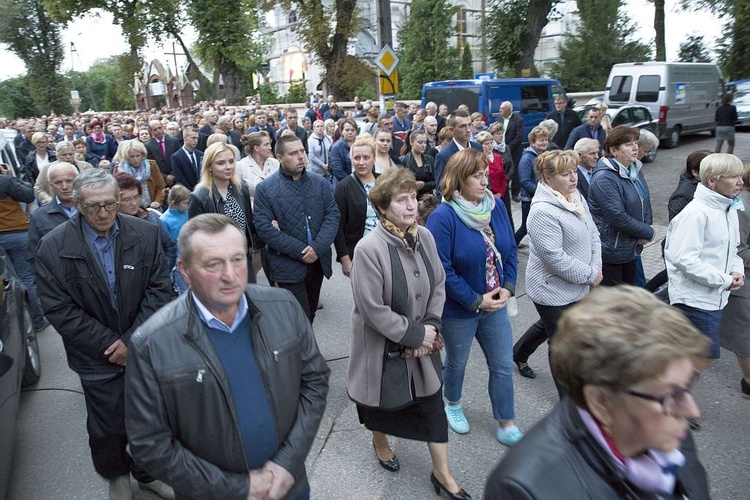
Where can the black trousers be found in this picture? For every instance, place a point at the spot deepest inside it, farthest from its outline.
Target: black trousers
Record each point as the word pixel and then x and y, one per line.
pixel 549 316
pixel 534 336
pixel 307 292
pixel 506 202
pixel 618 274
pixel 105 422
pixel 521 232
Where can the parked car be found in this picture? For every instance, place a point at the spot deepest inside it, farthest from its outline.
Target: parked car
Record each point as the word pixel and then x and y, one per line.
pixel 683 96
pixel 741 91
pixel 631 115
pixel 19 359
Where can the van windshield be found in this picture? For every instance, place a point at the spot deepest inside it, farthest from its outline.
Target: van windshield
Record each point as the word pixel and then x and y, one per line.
pixel 620 90
pixel 454 97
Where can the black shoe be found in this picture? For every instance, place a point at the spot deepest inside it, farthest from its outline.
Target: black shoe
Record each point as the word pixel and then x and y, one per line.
pixel 526 371
pixel 517 199
pixel 391 465
pixel 694 424
pixel 745 387
pixel 461 495
pixel 41 326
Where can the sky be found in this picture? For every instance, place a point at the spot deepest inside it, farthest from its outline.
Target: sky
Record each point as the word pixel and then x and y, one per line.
pixel 97 38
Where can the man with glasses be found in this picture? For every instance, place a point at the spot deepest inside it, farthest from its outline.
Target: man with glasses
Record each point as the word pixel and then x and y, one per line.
pixel 100 275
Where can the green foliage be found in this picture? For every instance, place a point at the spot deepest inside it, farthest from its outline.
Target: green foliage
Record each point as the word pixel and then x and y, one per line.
pixel 227 41
pixel 15 100
pixel 694 49
pixel 269 93
pixel 325 31
pixel 424 52
pixel 350 74
pixel 297 92
pixel 106 86
pixel 466 64
pixel 734 45
pixel 367 91
pixel 28 31
pixel 512 29
pixel 603 38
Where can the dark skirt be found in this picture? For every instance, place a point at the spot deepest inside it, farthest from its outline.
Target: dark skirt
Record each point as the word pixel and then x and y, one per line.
pixel 423 420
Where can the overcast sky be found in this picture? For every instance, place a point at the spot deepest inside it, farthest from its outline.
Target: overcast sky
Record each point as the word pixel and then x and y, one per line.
pixel 96 37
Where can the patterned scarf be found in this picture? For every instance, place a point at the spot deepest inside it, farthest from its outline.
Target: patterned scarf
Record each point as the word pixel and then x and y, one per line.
pixel 409 237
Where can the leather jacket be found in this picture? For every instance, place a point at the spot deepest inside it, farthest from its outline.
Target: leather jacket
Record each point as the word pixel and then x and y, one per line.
pixel 181 422
pixel 560 459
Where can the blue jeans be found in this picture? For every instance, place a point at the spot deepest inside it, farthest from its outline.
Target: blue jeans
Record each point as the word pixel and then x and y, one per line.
pixel 14 243
pixel 495 337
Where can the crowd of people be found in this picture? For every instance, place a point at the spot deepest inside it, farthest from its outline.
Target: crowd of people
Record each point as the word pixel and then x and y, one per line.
pixel 137 236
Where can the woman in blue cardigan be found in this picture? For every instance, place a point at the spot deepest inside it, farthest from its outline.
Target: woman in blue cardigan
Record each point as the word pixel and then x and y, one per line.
pixel 475 242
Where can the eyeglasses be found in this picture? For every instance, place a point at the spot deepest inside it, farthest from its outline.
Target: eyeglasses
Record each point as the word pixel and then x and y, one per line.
pixel 674 403
pixel 130 199
pixel 94 208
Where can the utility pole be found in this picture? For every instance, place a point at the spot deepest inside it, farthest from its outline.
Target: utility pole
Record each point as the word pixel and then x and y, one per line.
pixel 384 23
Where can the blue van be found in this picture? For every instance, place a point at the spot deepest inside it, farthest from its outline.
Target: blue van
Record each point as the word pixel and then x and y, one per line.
pixel 532 98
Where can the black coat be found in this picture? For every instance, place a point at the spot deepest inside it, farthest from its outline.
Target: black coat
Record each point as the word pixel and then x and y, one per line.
pixel 43 220
pixel 171 146
pixel 183 170
pixel 75 296
pixel 351 200
pixel 569 121
pixel 583 185
pixel 515 137
pixel 30 167
pixel 425 173
pixel 559 459
pixel 203 202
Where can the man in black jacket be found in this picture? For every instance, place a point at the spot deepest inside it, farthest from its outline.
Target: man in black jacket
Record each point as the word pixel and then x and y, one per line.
pixel 514 139
pixel 160 148
pixel 226 386
pixel 566 119
pixel 100 275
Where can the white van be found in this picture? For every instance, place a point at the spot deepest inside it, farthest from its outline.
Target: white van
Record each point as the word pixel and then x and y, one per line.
pixel 684 96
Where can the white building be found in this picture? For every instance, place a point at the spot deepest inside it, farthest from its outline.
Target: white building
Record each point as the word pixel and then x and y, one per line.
pixel 288 60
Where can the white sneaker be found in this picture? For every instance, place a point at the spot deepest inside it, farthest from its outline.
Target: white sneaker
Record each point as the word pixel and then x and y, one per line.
pixel 120 489
pixel 159 487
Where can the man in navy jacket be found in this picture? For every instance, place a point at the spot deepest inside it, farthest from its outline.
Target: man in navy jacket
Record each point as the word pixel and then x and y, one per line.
pixel 187 161
pixel 591 129
pixel 460 122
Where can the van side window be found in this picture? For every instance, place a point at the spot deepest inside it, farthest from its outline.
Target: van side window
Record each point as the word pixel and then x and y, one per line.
pixel 648 88
pixel 620 90
pixel 534 99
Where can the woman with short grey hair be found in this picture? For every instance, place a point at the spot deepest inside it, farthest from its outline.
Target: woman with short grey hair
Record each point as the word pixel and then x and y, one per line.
pixel 551 126
pixel 624 361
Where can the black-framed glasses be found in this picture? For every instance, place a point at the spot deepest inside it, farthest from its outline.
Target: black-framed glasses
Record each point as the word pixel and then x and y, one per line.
pixel 94 208
pixel 674 403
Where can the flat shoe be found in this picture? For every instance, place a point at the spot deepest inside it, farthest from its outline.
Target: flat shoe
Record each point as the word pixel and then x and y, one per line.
pixel 526 371
pixel 745 387
pixel 391 465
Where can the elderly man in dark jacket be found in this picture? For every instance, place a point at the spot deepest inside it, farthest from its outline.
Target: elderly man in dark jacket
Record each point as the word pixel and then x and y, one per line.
pixel 296 215
pixel 100 276
pixel 226 386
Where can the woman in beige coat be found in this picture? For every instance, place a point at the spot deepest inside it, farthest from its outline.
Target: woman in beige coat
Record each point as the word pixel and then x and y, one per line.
pixel 394 360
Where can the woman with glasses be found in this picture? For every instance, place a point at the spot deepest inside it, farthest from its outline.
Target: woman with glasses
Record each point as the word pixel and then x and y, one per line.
pixel 624 361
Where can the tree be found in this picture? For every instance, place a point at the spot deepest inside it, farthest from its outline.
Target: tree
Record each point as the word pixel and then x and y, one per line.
pixel 325 31
pixel 734 45
pixel 694 50
pixel 297 92
pixel 101 85
pixel 659 28
pixel 227 41
pixel 424 52
pixel 603 38
pixel 513 29
pixel 15 100
pixel 269 93
pixel 467 63
pixel 29 32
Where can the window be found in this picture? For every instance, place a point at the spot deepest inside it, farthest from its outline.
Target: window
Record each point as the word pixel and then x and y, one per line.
pixel 534 99
pixel 622 118
pixel 648 88
pixel 454 96
pixel 640 116
pixel 620 90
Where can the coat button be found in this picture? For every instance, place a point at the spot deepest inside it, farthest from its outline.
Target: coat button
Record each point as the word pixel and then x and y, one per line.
pixel 416 274
pixel 419 296
pixel 417 318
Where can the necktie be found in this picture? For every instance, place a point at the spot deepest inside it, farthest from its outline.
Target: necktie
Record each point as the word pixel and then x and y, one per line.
pixel 163 151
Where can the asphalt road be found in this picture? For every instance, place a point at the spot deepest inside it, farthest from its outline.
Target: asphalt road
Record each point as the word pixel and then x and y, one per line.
pixel 52 461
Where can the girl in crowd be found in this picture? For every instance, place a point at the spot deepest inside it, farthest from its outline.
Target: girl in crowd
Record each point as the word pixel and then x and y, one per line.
pixel 383 160
pixel 259 164
pixel 420 164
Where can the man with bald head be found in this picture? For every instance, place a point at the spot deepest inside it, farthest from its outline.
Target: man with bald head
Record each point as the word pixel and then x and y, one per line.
pixel 514 137
pixel 432 110
pixel 61 207
pixel 225 124
pixel 430 130
pixel 160 148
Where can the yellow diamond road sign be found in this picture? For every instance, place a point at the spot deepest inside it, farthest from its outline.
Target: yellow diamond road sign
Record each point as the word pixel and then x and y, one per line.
pixel 387 60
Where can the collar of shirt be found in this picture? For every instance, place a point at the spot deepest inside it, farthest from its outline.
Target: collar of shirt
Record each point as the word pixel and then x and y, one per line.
pixel 460 147
pixel 213 322
pixel 586 172
pixel 69 212
pixel 92 235
pixel 188 151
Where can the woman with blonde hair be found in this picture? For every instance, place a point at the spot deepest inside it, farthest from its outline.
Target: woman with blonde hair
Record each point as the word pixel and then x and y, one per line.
pixel 222 191
pixel 383 160
pixel 131 158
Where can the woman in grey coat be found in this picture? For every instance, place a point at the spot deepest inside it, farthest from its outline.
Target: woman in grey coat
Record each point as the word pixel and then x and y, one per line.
pixel 565 255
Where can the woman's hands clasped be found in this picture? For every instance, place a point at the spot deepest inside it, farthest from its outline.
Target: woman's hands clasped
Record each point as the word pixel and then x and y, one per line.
pixel 494 300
